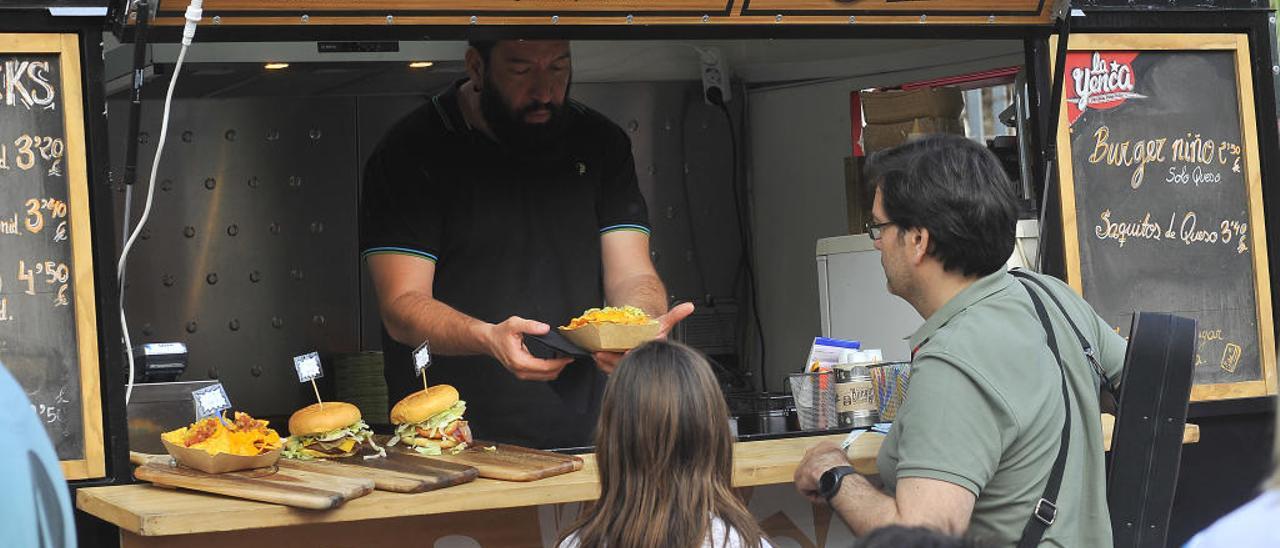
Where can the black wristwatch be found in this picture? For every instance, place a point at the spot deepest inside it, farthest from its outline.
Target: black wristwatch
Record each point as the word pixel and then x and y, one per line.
pixel 829 483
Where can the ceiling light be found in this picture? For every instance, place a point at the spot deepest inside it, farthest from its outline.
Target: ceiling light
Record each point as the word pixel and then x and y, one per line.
pixel 276 66
pixel 420 64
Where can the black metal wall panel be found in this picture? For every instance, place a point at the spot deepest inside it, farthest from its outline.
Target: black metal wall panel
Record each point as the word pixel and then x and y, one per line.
pixel 249 256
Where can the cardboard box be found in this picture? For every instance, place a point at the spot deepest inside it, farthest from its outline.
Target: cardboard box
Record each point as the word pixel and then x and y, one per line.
pixel 221 462
pixel 611 337
pixel 858 194
pixel 887 107
pixel 877 137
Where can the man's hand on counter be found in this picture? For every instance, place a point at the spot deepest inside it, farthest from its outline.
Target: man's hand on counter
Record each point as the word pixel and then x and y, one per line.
pixel 817 460
pixel 505 342
pixel 608 361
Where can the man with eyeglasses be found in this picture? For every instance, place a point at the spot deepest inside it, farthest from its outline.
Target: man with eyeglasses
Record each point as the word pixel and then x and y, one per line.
pixel 975 443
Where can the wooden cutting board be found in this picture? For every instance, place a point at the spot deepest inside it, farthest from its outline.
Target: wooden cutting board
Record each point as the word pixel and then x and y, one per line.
pixel 290 487
pixel 397 472
pixel 508 462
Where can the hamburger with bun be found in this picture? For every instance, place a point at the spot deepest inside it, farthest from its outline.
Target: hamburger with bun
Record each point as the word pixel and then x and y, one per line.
pixel 431 421
pixel 327 430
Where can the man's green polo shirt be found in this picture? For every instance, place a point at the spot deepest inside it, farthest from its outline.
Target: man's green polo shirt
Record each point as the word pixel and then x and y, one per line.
pixel 984 410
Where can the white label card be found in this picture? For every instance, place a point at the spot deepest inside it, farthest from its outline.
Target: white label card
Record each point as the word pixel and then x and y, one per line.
pixel 421 358
pixel 308 367
pixel 210 401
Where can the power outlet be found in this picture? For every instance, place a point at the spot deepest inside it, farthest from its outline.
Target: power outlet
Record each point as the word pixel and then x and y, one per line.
pixel 715 75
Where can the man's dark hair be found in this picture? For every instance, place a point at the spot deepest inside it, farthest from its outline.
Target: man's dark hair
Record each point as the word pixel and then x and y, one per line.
pixel 957 190
pixel 484 48
pixel 898 536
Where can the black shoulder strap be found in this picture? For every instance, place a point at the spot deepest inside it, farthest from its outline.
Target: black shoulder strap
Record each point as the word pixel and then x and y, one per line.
pixel 1046 509
pixel 1089 353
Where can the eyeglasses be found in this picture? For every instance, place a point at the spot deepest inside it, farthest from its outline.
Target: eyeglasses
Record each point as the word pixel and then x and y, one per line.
pixel 876 229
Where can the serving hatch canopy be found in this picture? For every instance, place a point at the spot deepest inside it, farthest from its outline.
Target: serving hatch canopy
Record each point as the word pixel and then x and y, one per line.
pixel 611 12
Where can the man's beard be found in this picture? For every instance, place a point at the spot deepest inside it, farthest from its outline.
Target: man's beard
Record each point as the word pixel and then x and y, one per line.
pixel 509 127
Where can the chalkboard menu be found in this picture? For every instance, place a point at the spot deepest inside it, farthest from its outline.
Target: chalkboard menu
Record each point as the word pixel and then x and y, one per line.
pixel 1161 196
pixel 48 335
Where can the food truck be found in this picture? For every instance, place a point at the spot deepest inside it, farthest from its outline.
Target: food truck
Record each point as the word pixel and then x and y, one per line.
pixel 235 196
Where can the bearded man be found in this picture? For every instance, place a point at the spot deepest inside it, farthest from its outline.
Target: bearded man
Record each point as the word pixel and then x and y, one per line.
pixel 497 209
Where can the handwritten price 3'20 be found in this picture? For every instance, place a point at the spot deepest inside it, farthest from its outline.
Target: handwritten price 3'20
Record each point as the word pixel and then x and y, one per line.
pixel 26 149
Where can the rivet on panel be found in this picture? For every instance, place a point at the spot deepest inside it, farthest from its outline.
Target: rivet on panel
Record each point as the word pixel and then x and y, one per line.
pixel 315 134
pixel 296 274
pixel 652 169
pixel 318 319
pixel 555 19
pixel 1275 69
pixel 230 135
pixel 991 18
pixel 166 185
pixel 474 19
pixel 706 18
pixel 924 18
pixel 853 19
pixel 274 228
pixel 217 19
pixel 187 136
pixel 256 371
pixel 273 134
pixel 210 183
pixel 211 278
pixel 255 276
pixel 391 20
pixel 317 227
pixel 191 326
pixel 295 181
pixel 276 322
pixel 306 18
pixel 777 18
pixel 671 212
pixel 189 231
pixel 630 19
pixel 666 124
pixel 233 229
pixel 254 182
pixel 144 137
pixel 234 325
pixel 168 280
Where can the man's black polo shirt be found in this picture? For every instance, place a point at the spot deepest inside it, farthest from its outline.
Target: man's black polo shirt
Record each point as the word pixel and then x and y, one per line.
pixel 510 234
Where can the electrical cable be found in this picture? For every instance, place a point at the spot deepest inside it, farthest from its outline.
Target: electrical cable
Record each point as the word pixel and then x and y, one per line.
pixel 744 228
pixel 193 15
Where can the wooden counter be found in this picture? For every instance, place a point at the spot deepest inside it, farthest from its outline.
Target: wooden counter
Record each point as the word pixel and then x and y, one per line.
pixel 150 516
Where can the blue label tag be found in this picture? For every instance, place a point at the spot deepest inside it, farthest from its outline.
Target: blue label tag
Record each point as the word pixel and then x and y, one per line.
pixel 308 367
pixel 210 401
pixel 421 358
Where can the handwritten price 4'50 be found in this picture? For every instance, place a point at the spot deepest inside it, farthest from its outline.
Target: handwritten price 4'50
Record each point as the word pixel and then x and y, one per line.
pixel 54 273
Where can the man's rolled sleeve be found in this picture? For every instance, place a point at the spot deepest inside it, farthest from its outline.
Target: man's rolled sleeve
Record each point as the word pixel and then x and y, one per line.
pixel 619 204
pixel 953 426
pixel 400 211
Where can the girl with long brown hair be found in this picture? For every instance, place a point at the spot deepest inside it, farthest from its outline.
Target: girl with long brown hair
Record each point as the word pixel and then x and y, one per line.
pixel 665 459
